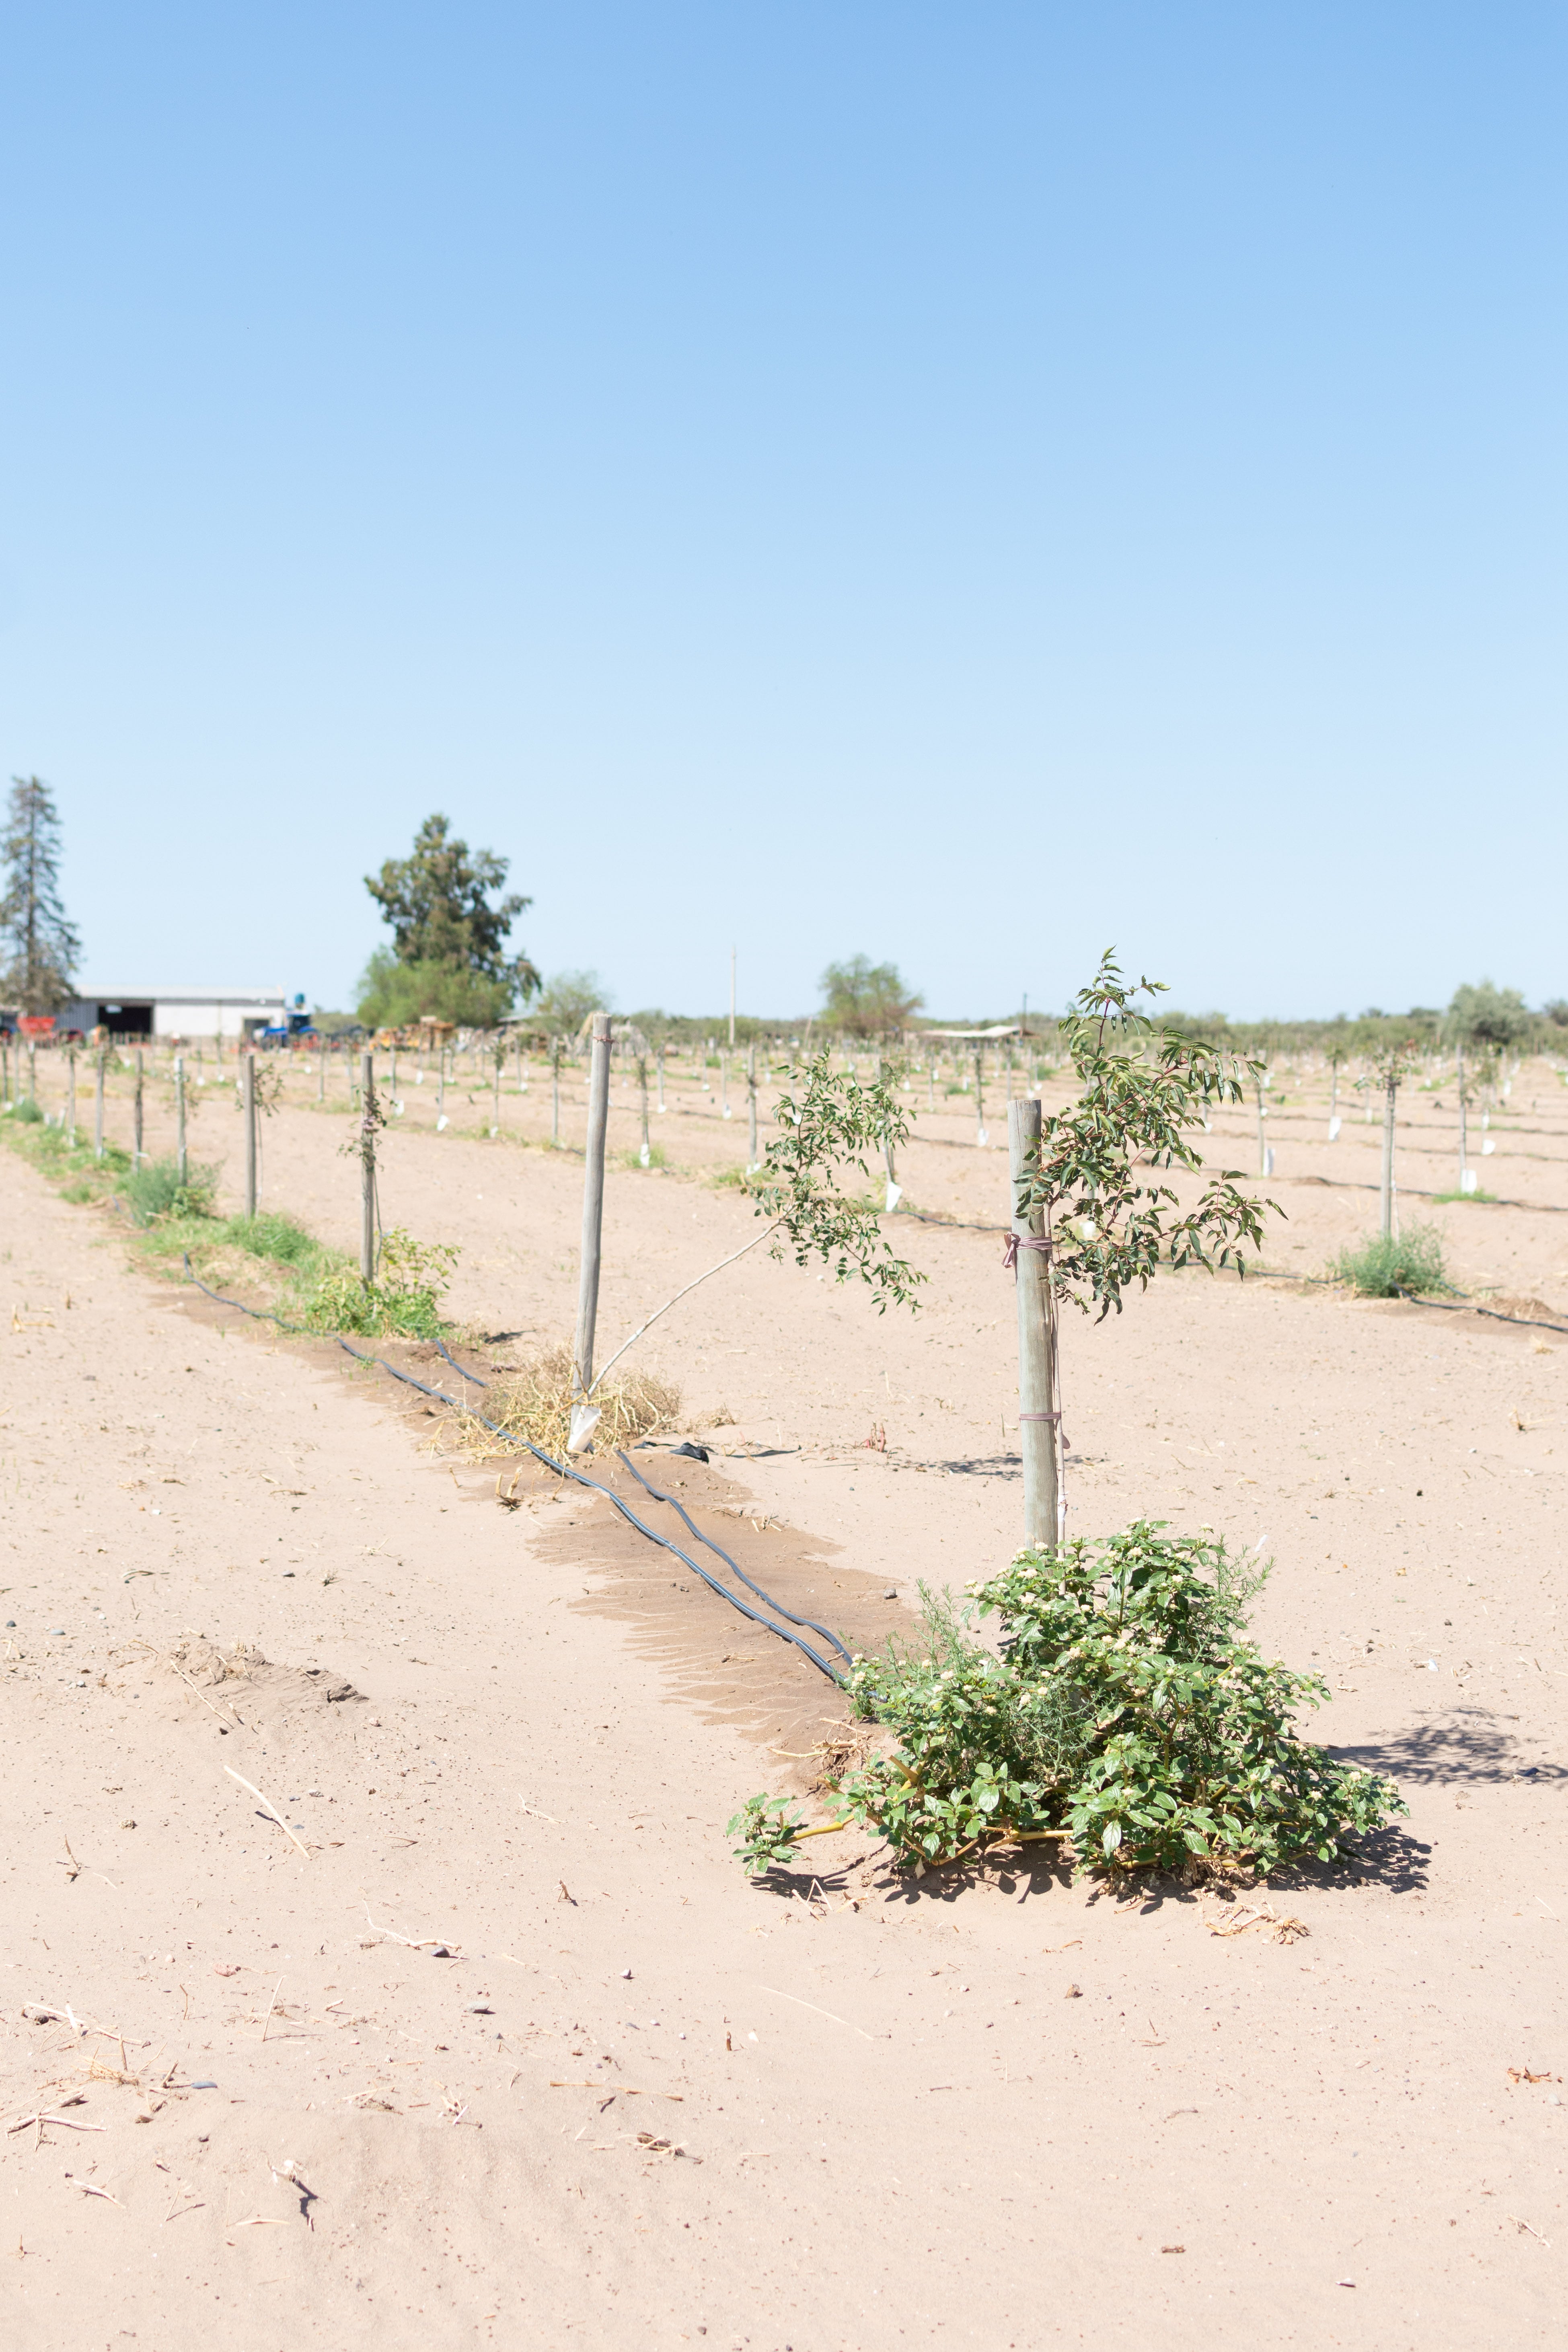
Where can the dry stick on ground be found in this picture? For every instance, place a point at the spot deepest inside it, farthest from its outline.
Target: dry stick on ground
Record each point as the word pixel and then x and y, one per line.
pixel 414 1943
pixel 271 2006
pixel 680 1294
pixel 269 1806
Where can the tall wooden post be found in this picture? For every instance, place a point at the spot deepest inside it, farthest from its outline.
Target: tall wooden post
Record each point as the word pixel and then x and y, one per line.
pixel 247 1121
pixel 731 999
pixel 1037 1425
pixel 499 1058
pixel 556 1091
pixel 98 1105
pixel 1390 1090
pixel 1464 1139
pixel 980 1094
pixel 1262 1115
pixel 136 1114
pixel 660 1059
pixel 646 1154
pixel 583 1415
pixel 367 1167
pixel 753 1155
pixel 180 1115
pixel 70 1096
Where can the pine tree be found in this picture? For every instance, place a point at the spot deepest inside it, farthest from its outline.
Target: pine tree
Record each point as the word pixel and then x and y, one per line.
pixel 43 948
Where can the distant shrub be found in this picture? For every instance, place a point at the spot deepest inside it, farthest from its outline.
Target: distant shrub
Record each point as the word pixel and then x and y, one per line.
pixel 1386 1264
pixel 27 1111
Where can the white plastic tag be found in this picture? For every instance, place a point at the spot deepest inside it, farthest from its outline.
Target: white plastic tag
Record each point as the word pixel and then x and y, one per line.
pixel 982 1140
pixel 1490 1145
pixel 441 1122
pixel 894 1194
pixel 584 1421
pixel 643 1156
pixel 1269 1160
pixel 1468 1180
pixel 728 1112
pixel 1334 1126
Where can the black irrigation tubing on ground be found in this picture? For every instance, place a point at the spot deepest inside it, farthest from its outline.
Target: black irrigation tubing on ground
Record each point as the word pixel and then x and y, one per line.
pixel 562 1470
pixel 826 1632
pixel 717 1549
pixel 1467 1306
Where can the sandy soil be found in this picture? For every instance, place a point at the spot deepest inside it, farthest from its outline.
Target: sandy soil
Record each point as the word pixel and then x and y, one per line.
pixel 988 2108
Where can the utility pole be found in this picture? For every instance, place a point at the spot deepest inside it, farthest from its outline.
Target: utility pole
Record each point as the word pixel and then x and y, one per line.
pixel 732 996
pixel 248 1119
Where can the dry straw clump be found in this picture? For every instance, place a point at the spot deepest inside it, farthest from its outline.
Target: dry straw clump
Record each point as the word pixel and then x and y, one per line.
pixel 532 1405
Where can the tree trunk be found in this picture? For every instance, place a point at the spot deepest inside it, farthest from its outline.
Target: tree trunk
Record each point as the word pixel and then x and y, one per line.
pixel 180 1160
pixel 1037 1423
pixel 367 1167
pixel 1389 1091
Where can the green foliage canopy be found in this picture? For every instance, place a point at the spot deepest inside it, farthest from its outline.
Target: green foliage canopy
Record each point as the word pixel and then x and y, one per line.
pixel 832 1120
pixel 437 902
pixel 394 995
pixel 1483 1015
pixel 1140 1089
pixel 863 999
pixel 42 949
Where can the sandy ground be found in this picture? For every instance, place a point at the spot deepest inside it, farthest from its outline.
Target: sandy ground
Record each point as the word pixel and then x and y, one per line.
pixel 988 2108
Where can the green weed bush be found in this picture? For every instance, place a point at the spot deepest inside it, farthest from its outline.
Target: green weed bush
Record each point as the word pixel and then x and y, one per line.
pixel 1383 1264
pixel 1127 1714
pixel 155 1192
pixel 27 1112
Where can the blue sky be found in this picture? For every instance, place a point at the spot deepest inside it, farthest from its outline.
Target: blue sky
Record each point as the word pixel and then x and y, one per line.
pixel 966 484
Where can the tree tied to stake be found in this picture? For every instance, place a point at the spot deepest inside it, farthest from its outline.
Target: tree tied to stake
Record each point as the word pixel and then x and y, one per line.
pixel 1139 1087
pixel 832 1122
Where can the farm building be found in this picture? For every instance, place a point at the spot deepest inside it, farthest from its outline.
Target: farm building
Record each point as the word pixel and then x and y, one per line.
pixel 175 1011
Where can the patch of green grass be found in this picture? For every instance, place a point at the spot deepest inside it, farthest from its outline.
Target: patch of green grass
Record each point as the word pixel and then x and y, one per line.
pixel 1385 1264
pixel 1476 1195
pixel 156 1190
pixel 27 1112
pixel 633 1159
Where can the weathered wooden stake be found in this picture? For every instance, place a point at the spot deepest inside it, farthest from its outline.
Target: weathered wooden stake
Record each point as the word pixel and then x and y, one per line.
pixel 646 1155
pixel 180 1115
pixel 1390 1090
pixel 70 1096
pixel 584 1417
pixel 1037 1423
pixel 731 999
pixel 660 1061
pixel 136 1115
pixel 1464 1139
pixel 980 1094
pixel 367 1167
pixel 98 1106
pixel 247 1122
pixel 556 1091
pixel 321 1075
pixel 753 1155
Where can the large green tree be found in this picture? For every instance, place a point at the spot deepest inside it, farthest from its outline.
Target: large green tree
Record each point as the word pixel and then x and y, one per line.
pixel 866 999
pixel 437 901
pixel 42 949
pixel 1484 1014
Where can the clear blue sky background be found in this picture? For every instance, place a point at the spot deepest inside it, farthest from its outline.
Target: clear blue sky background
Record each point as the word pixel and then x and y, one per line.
pixel 966 482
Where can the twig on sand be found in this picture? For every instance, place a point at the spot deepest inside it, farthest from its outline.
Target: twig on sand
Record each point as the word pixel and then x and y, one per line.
pixel 271 2006
pixel 88 2190
pixel 819 2013
pixel 266 1803
pixel 412 1943
pixel 65 2121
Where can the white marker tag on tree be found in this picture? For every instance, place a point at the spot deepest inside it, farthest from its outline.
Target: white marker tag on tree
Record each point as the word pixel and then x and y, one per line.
pixel 584 1421
pixel 1334 1126
pixel 419 1078
pixel 441 1122
pixel 1468 1180
pixel 643 1156
pixel 894 1194
pixel 1490 1145
pixel 1269 1160
pixel 982 1140
pixel 728 1112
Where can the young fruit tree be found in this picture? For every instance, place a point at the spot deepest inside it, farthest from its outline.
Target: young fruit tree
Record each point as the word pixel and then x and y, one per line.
pixel 1122 1712
pixel 1091 1212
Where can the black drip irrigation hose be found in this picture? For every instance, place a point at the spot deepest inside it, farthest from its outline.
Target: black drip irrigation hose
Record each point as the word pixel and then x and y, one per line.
pixel 1468 1307
pixel 565 1470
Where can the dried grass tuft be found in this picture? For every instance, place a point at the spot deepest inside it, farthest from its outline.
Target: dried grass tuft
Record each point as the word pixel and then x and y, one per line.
pixel 534 1403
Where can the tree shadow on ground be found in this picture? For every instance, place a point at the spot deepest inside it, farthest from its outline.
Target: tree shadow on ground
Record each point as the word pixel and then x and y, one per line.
pixel 1472 1745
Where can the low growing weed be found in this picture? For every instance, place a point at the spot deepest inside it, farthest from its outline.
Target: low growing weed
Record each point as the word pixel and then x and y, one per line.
pixel 1383 1264
pixel 1127 1714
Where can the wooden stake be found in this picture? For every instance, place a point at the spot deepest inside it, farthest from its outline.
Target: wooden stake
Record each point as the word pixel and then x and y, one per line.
pixel 1459 1079
pixel 593 1207
pixel 136 1115
pixel 247 1121
pixel 731 999
pixel 180 1115
pixel 70 1096
pixel 98 1105
pixel 660 1058
pixel 556 1090
pixel 753 1155
pixel 1036 1340
pixel 367 1167
pixel 1390 1089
